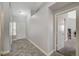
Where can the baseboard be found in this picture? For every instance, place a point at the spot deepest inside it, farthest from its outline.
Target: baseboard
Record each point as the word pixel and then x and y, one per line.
pixel 38 47
pixel 47 54
pixel 50 53
pixel 19 38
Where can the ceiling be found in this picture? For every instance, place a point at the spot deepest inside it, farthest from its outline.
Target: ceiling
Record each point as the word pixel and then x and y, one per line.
pixel 72 14
pixel 32 6
pixel 59 5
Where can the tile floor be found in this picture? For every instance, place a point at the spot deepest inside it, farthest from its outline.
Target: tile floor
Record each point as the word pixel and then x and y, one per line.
pixel 23 47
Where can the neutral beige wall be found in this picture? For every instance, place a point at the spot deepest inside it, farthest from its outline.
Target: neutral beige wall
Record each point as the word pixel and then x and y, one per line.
pixel 0 27
pixel 77 28
pixel 5 34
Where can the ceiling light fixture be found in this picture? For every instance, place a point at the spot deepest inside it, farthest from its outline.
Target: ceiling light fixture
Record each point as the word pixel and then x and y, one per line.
pixel 22 13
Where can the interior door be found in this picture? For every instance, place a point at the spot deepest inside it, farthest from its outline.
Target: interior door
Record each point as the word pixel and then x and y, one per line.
pixel 60 31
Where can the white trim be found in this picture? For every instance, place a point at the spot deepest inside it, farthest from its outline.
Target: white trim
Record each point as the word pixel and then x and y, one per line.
pixel 19 38
pixel 51 52
pixel 47 54
pixel 37 46
pixel 66 10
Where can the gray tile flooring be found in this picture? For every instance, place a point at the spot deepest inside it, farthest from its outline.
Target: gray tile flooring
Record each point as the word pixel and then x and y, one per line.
pixel 23 47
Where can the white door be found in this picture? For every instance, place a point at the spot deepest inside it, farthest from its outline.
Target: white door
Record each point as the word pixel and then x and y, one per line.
pixel 60 31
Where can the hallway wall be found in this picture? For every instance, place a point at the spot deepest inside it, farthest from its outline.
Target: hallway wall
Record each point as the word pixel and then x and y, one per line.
pixel 0 26
pixel 71 22
pixel 77 27
pixel 41 29
pixel 5 34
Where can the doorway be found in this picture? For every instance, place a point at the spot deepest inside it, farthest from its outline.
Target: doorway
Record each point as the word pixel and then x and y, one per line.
pixel 66 33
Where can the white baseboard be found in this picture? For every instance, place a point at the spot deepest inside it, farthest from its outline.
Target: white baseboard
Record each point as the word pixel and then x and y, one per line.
pixel 19 38
pixel 38 47
pixel 47 54
pixel 50 53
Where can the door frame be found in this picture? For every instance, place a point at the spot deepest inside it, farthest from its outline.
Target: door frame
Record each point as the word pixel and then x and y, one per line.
pixel 57 30
pixel 55 18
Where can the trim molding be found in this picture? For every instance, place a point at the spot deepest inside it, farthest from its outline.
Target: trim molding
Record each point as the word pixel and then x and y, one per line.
pixel 37 46
pixel 47 54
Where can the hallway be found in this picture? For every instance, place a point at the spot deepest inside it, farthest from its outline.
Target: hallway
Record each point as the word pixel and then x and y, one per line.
pixel 25 23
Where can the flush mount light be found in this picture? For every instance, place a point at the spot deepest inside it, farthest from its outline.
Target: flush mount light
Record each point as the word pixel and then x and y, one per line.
pixel 21 12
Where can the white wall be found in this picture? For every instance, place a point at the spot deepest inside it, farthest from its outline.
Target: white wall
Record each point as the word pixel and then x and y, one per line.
pixel 71 22
pixel 5 35
pixel 41 29
pixel 77 28
pixel 0 26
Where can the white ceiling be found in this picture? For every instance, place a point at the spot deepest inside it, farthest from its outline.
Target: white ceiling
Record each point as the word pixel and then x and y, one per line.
pixel 33 6
pixel 72 14
pixel 59 5
pixel 30 5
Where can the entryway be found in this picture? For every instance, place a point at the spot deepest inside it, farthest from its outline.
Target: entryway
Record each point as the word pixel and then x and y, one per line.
pixel 66 37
